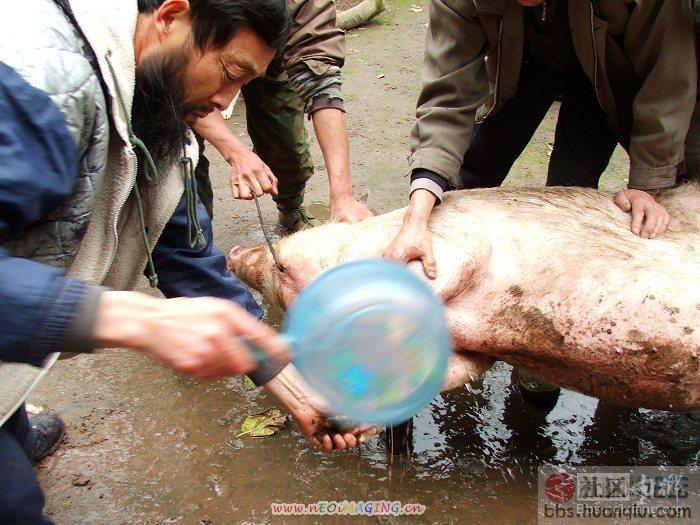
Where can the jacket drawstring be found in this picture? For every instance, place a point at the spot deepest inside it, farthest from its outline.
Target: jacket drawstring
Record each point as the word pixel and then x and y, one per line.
pixel 195 235
pixel 151 173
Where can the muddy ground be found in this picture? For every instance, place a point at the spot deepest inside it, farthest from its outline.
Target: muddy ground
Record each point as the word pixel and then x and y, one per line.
pixel 146 446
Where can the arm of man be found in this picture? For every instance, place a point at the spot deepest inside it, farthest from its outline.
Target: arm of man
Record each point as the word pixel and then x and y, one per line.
pixel 313 59
pixel 249 174
pixel 659 40
pixel 332 133
pixel 42 312
pixel 454 85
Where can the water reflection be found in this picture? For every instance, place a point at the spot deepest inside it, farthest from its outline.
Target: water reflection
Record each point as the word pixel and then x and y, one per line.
pixel 476 450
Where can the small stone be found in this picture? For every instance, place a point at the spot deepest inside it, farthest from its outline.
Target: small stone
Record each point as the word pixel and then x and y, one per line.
pixel 80 480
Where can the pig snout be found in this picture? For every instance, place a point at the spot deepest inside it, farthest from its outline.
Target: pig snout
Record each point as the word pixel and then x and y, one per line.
pixel 251 265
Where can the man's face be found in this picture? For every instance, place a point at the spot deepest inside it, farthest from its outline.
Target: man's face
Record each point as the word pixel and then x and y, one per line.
pixel 211 79
pixel 177 83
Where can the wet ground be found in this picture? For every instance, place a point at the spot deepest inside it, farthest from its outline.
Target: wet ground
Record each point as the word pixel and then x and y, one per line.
pixel 146 446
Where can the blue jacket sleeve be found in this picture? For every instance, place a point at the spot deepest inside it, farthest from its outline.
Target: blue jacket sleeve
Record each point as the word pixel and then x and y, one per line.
pixel 38 168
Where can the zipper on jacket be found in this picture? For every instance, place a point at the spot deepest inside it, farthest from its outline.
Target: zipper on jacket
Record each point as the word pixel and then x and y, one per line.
pixel 134 157
pixel 595 60
pixel 134 180
pixel 498 71
pixel 115 229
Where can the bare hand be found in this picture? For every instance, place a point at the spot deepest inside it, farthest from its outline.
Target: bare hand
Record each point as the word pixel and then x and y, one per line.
pixel 309 411
pixel 413 242
pixel 349 210
pixel 195 336
pixel 250 175
pixel 324 435
pixel 645 211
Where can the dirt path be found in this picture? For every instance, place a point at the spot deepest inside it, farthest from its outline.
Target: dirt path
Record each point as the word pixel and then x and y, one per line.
pixel 145 446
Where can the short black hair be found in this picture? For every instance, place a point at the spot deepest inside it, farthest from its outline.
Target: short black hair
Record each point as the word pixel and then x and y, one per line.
pixel 216 22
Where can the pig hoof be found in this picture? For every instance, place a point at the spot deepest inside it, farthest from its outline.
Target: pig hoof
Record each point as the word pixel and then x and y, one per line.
pixel 536 391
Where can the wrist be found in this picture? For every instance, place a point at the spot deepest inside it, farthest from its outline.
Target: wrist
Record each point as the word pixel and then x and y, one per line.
pixel 287 388
pixel 119 320
pixel 420 207
pixel 653 193
pixel 233 151
pixel 342 197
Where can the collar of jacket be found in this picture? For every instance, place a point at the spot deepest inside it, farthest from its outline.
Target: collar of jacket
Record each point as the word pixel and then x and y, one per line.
pixel 112 252
pixel 109 27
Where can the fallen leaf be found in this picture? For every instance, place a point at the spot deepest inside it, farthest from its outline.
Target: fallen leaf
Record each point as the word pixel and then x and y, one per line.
pixel 263 424
pixel 248 384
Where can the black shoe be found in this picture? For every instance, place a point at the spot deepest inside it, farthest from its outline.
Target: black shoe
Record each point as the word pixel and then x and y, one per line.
pixel 48 429
pixel 537 391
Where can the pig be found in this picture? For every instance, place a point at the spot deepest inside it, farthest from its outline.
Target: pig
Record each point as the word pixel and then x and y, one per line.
pixel 550 280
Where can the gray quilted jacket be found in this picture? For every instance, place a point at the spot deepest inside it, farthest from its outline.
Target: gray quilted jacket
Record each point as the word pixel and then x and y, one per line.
pixel 40 44
pixel 95 234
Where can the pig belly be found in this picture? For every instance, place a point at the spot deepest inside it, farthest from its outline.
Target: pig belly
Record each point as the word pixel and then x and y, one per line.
pixel 616 345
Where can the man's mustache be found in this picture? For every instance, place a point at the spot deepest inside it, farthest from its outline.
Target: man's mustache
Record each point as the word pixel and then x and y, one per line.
pixel 199 110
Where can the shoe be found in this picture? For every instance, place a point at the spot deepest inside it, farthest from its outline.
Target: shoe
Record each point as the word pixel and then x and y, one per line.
pixel 48 429
pixel 296 219
pixel 537 391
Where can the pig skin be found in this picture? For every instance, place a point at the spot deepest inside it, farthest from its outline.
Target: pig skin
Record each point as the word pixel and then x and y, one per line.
pixel 550 280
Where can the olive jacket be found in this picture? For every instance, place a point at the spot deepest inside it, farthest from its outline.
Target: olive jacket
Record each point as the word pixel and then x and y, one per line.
pixel 638 54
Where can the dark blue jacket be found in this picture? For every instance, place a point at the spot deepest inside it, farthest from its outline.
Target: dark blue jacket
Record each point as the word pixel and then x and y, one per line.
pixel 38 168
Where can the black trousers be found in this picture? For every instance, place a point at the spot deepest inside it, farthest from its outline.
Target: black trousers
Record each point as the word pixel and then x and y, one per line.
pixel 583 142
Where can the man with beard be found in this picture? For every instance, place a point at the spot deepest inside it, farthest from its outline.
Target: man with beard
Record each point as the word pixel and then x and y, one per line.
pixel 83 197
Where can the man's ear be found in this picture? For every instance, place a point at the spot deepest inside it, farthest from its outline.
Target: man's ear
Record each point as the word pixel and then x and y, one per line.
pixel 171 18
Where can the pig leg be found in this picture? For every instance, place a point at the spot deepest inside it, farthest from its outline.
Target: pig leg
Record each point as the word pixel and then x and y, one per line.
pixel 602 373
pixel 465 367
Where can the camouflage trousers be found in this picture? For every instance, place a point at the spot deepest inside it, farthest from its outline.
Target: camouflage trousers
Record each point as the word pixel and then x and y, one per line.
pixel 277 127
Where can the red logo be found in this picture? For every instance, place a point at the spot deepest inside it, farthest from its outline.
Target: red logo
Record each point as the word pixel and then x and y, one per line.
pixel 560 487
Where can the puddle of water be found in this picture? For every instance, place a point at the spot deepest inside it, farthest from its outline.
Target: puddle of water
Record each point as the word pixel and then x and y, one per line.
pixel 476 451
pixel 320 210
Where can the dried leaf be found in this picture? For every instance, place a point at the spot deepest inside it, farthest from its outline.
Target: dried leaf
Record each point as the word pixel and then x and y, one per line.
pixel 263 424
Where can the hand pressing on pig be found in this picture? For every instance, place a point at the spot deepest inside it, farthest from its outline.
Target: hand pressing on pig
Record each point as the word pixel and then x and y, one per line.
pixel 310 413
pixel 649 218
pixel 414 240
pixel 347 209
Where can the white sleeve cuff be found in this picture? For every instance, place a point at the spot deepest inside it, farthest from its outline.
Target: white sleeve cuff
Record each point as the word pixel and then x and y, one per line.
pixel 424 183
